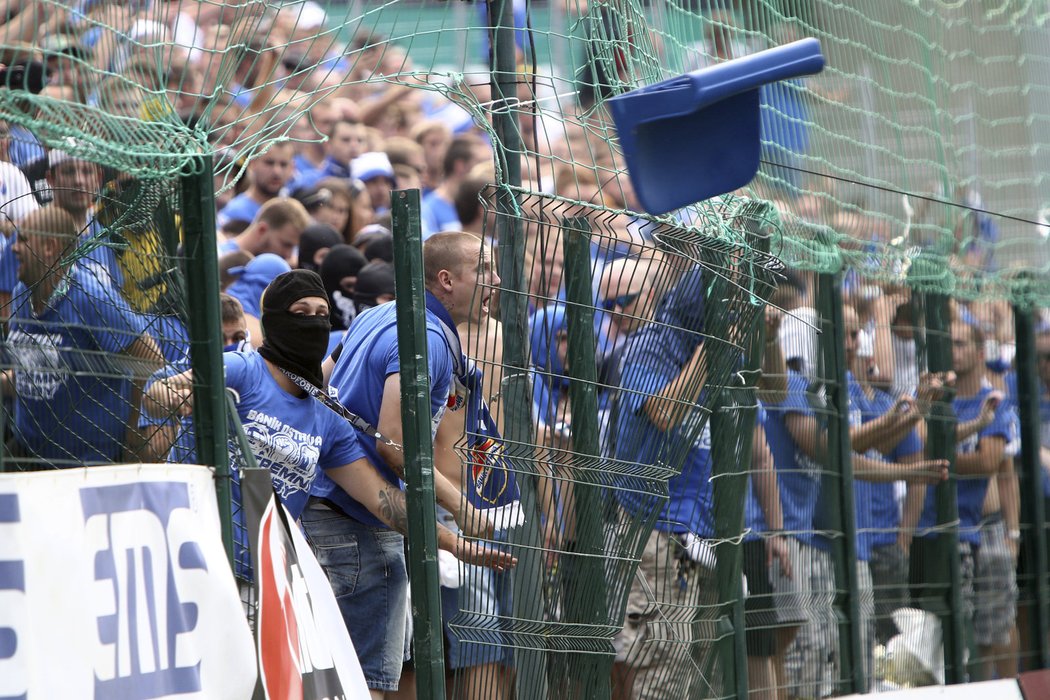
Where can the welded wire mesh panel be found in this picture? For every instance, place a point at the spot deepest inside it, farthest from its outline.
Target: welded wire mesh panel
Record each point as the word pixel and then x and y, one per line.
pixel 95 309
pixel 910 169
pixel 655 291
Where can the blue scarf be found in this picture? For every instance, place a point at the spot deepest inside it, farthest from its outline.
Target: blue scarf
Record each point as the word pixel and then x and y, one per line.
pixel 492 484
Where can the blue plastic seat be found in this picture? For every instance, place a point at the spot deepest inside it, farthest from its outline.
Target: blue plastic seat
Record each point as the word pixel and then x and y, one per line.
pixel 697 136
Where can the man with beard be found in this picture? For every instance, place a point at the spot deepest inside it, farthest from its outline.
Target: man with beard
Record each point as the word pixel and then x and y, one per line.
pixel 268 174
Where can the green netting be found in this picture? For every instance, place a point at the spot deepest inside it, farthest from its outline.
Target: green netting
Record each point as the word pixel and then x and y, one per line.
pixel 921 132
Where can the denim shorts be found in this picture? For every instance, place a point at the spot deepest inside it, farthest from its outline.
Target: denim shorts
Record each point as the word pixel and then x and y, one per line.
pixel 473 614
pixel 366 567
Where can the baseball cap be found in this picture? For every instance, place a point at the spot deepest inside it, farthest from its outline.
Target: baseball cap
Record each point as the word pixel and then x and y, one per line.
pixel 371 165
pixel 375 278
pixel 58 156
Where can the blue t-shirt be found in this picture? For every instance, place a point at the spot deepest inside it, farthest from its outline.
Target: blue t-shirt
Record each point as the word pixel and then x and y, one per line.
pixel 971 491
pixel 438 214
pixel 687 505
pixel 97 258
pixel 368 357
pixel 71 398
pixel 25 148
pixel 754 518
pixel 1012 400
pixel 858 406
pixel 884 516
pixel 240 208
pixel 8 264
pixel 292 436
pixel 861 410
pixel 798 476
pixel 652 357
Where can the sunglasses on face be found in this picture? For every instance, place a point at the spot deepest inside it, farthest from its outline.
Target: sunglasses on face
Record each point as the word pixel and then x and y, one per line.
pixel 621 301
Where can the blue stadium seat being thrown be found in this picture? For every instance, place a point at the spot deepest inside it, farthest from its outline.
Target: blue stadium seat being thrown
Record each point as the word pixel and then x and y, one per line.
pixel 696 136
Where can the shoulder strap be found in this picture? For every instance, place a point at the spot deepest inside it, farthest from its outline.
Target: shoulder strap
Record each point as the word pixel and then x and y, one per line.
pixel 349 416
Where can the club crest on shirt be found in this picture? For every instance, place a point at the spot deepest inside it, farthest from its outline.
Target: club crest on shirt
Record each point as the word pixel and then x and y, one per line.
pixel 487 469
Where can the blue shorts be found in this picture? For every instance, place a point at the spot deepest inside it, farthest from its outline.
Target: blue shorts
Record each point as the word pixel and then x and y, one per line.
pixel 366 567
pixel 471 614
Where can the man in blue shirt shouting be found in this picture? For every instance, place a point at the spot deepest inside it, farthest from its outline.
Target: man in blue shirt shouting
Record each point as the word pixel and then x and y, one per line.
pixel 363 558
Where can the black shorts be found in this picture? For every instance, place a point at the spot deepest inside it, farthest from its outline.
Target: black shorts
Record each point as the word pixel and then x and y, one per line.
pixel 759 613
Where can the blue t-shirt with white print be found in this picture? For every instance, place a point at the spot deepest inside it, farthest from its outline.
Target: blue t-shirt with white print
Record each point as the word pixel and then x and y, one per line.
pixel 292 436
pixel 72 400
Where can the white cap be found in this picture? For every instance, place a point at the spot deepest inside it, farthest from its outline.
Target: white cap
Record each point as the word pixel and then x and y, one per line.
pixel 58 156
pixel 371 165
pixel 310 14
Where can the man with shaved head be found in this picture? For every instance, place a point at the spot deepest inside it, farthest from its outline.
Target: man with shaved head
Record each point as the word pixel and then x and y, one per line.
pixel 78 353
pixel 362 557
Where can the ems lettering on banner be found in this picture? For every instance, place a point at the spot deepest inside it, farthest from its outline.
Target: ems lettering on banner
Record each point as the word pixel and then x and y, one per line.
pixel 114 585
pixel 137 569
pixel 14 623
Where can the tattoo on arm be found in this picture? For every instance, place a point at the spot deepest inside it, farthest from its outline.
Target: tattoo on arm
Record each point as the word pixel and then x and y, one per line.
pixel 392 508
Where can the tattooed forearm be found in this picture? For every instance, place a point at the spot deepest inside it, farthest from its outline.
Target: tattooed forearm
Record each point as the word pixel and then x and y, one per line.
pixel 392 509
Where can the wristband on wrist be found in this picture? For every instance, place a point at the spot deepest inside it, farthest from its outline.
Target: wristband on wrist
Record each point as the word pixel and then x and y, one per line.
pixel 1013 535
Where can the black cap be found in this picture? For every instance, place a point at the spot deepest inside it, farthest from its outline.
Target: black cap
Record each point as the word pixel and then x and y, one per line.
pixel 342 261
pixel 30 76
pixel 314 238
pixel 375 278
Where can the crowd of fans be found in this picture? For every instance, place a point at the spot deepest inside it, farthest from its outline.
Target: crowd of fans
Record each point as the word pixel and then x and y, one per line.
pixel 97 359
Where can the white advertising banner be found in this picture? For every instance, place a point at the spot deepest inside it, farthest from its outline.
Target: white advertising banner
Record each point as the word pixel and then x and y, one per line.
pixel 305 652
pixel 114 584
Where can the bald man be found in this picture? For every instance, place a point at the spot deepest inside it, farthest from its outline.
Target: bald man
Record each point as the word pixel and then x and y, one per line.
pixel 79 353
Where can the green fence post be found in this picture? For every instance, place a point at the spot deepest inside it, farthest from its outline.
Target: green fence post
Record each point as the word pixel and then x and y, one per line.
pixel 1031 476
pixel 204 326
pixel 530 656
pixel 731 442
pixel 425 585
pixel 731 424
pixel 587 605
pixel 837 482
pixel 941 444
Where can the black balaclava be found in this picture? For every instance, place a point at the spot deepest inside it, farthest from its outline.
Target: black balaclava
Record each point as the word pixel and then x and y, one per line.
pixel 342 261
pixel 291 341
pixel 314 238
